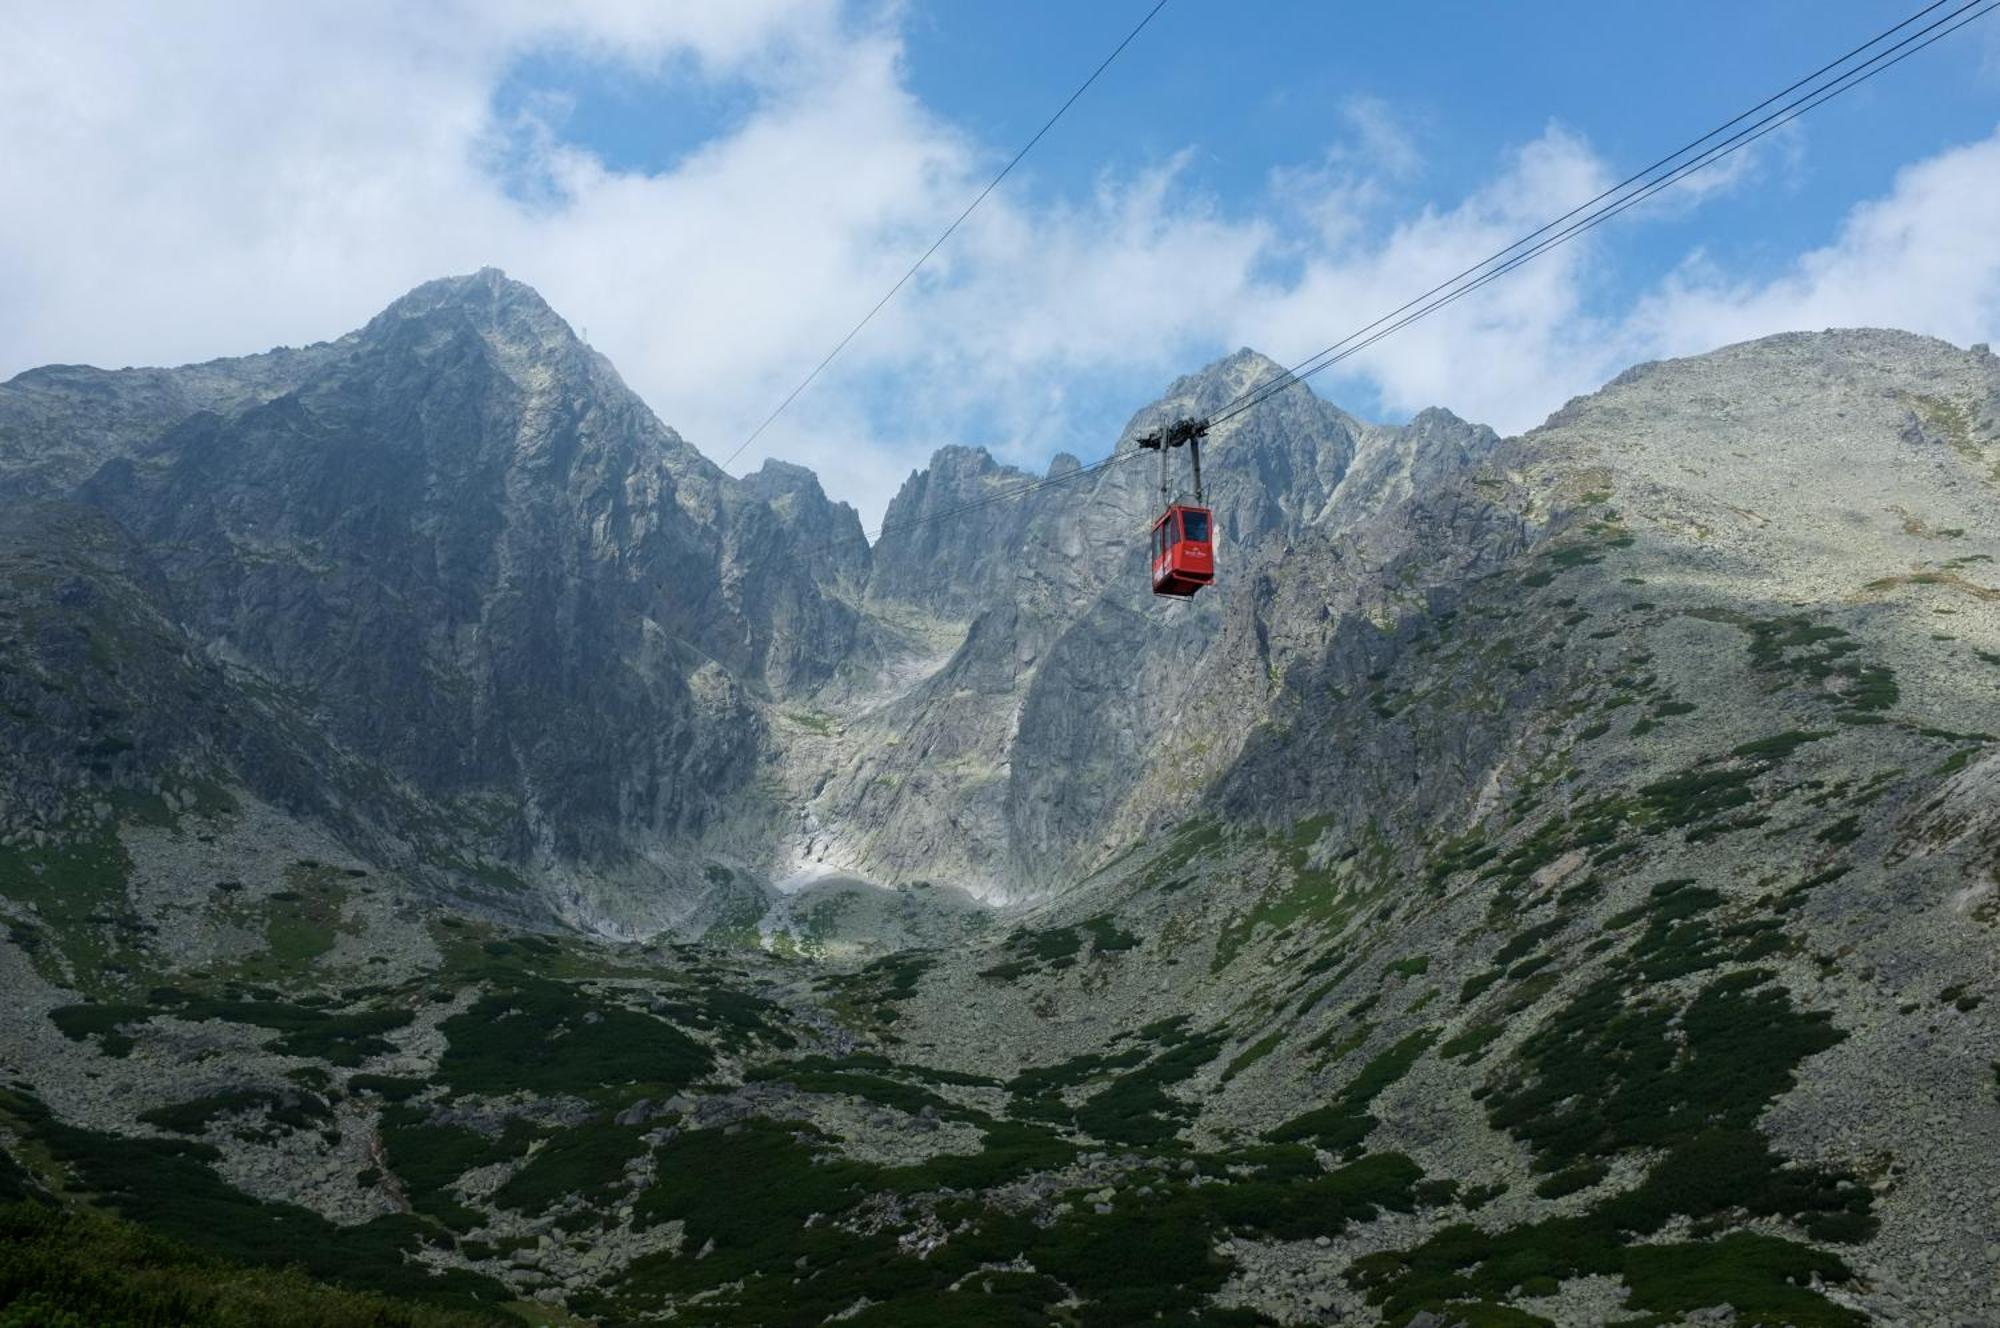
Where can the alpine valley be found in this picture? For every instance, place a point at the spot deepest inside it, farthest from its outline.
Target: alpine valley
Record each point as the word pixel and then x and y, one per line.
pixel 466 859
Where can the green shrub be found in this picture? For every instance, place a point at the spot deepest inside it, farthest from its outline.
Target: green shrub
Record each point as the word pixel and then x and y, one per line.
pixel 295 1110
pixel 103 1022
pixel 587 1161
pixel 428 1157
pixel 1471 1042
pixel 170 1187
pixel 391 1087
pixel 1107 937
pixel 1571 1179
pixel 1345 1122
pixel 1779 745
pixel 74 1269
pixel 545 1037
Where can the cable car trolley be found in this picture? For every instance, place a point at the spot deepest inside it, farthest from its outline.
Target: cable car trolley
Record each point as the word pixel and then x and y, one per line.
pixel 1184 537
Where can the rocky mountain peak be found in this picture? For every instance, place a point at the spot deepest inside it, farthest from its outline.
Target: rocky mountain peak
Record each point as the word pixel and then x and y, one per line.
pixel 1437 419
pixel 954 471
pixel 488 297
pixel 776 480
pixel 827 534
pixel 1236 372
pixel 1573 853
pixel 1205 392
pixel 526 338
pixel 959 462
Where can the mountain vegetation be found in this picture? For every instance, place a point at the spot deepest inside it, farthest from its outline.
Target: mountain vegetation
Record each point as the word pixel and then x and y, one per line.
pixel 466 859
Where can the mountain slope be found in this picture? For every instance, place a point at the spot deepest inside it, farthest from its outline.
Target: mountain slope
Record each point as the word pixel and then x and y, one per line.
pixel 1631 886
pixel 1067 720
pixel 572 650
pixel 1548 880
pixel 470 558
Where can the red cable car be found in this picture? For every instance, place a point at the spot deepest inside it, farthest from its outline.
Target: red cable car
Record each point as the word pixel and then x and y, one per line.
pixel 1183 550
pixel 1184 538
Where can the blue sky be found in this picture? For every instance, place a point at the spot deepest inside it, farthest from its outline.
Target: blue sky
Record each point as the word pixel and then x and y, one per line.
pixel 718 191
pixel 1257 89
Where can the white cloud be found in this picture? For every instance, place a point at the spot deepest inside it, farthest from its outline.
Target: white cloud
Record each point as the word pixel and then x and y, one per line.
pixel 1743 165
pixel 1502 354
pixel 1989 50
pixel 1922 257
pixel 204 180
pixel 1382 142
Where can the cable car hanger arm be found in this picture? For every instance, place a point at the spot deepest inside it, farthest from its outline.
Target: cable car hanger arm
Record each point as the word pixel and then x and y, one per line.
pixel 1185 430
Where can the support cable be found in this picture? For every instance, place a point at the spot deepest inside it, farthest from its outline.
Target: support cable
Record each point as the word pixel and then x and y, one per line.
pixel 923 258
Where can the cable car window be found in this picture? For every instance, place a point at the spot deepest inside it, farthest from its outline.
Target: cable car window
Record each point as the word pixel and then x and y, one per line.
pixel 1194 526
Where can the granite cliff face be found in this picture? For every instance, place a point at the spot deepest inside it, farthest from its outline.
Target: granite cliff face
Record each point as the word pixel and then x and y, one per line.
pixel 1547 881
pixel 468 558
pixel 473 563
pixel 1059 729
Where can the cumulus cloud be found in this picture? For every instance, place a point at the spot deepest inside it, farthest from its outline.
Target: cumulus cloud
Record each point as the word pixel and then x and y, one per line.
pixel 1502 353
pixel 209 179
pixel 1920 257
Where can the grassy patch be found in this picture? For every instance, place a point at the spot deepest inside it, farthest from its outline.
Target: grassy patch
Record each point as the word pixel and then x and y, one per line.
pixel 773 1214
pixel 1189 842
pixel 813 721
pixel 1136 1108
pixel 105 1023
pixel 1764 1279
pixel 77 890
pixel 345 1038
pixel 1107 937
pixel 1798 649
pixel 1605 1075
pixel 390 1087
pixel 171 1188
pixel 72 1269
pixel 868 1078
pixel 1323 898
pixel 1571 1179
pixel 1050 950
pixel 1250 1055
pixel 1779 746
pixel 871 995
pixel 1619 1070
pixel 301 923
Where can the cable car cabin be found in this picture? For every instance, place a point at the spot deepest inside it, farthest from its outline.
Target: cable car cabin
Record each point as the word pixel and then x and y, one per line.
pixel 1183 551
pixel 1183 539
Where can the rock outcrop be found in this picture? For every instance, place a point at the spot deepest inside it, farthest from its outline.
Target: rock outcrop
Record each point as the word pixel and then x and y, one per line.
pixel 1548 880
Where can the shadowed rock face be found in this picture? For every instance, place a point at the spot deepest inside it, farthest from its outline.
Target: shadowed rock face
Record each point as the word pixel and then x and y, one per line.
pixel 469 555
pixel 1078 712
pixel 454 548
pixel 1547 880
pixel 826 534
pixel 466 567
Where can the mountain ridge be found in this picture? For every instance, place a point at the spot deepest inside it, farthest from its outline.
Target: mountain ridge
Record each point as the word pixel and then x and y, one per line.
pixel 455 840
pixel 799 603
